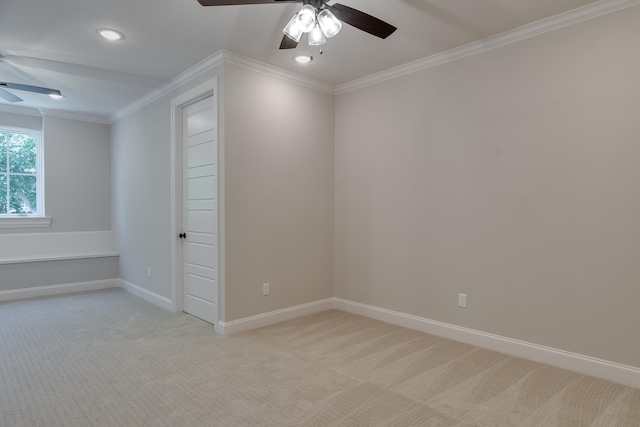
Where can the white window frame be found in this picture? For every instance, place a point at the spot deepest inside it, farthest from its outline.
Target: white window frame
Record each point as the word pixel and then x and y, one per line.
pixel 37 219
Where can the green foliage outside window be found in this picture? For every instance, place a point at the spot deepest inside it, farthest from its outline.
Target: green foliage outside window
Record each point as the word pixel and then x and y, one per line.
pixel 18 173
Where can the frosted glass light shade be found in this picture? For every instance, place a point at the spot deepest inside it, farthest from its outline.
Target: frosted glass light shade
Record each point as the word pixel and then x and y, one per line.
pixel 303 59
pixel 329 24
pixel 316 36
pixel 293 30
pixel 110 34
pixel 307 18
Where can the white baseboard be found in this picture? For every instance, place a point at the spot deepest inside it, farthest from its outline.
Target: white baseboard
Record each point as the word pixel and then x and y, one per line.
pixel 623 374
pixel 604 369
pixel 152 297
pixel 266 319
pixel 46 291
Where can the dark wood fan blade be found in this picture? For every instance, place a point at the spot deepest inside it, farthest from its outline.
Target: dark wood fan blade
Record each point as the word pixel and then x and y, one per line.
pixel 8 96
pixel 29 88
pixel 362 21
pixel 288 43
pixel 237 2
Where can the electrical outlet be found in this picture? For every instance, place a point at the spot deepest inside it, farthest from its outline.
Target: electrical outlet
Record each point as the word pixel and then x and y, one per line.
pixel 462 300
pixel 148 271
pixel 265 289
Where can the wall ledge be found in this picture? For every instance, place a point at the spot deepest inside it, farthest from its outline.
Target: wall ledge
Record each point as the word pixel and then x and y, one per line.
pixel 36 247
pixel 63 257
pixel 24 221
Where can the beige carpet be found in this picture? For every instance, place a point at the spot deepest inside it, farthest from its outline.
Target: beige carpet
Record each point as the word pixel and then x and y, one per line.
pixel 110 359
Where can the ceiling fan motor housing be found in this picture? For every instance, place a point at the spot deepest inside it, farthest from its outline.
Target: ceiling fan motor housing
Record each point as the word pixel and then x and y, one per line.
pixel 318 4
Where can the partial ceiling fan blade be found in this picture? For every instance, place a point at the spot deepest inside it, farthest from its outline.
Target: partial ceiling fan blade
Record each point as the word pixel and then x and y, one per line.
pixel 361 20
pixel 237 2
pixel 30 88
pixel 8 96
pixel 288 43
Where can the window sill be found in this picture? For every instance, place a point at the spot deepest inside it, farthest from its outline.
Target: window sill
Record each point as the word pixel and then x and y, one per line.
pixel 25 222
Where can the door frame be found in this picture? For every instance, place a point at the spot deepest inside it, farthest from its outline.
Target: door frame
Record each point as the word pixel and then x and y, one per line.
pixel 208 88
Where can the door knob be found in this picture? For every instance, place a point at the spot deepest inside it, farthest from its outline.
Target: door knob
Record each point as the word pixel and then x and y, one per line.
pixel 182 235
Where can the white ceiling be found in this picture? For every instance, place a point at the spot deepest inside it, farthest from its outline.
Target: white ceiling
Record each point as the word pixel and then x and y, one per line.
pixel 53 43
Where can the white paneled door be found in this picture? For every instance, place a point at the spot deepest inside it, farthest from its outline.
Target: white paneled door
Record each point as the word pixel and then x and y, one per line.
pixel 200 190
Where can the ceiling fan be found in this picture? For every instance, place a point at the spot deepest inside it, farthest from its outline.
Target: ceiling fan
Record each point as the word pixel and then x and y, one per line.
pixel 8 96
pixel 319 19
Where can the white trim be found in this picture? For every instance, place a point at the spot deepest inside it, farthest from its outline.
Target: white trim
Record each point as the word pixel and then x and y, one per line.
pixel 590 11
pixel 25 111
pixel 147 295
pixel 220 57
pixel 43 246
pixel 533 29
pixel 184 77
pixel 103 120
pixel 611 371
pixel 46 291
pixel 65 257
pixel 39 175
pixel 278 73
pixel 19 221
pixel 210 87
pixel 266 319
pixel 619 373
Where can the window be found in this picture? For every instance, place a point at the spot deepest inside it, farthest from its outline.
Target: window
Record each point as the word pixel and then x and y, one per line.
pixel 20 173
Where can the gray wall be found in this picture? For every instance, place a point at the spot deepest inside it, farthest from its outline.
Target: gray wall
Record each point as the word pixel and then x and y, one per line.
pixel 49 273
pixel 511 176
pixel 141 190
pixel 77 166
pixel 77 175
pixel 141 158
pixel 20 120
pixel 276 141
pixel 279 193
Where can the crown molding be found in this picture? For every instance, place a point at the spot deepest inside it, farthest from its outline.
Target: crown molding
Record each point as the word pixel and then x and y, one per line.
pixel 42 112
pixel 45 112
pixel 533 29
pixel 278 73
pixel 220 57
pixel 182 78
pixel 25 111
pixel 575 16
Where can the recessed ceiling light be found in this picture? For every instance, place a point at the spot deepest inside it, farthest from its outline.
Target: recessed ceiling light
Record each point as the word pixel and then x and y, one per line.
pixel 303 59
pixel 109 34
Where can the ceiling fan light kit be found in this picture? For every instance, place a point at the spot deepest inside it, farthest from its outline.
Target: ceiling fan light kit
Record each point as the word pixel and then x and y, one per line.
pixel 329 24
pixel 316 36
pixel 306 18
pixel 320 25
pixel 319 19
pixel 293 30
